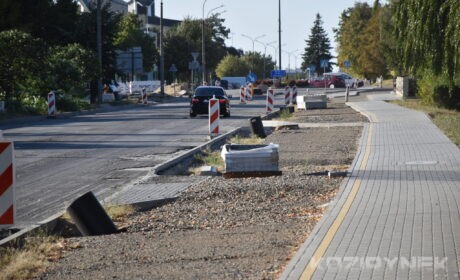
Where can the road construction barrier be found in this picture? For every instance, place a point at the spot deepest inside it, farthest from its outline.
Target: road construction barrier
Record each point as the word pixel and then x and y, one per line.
pixel 242 95
pixel 144 96
pixel 270 99
pixel 251 86
pixel 248 94
pixel 294 95
pixel 7 208
pixel 214 115
pixel 51 104
pixel 287 95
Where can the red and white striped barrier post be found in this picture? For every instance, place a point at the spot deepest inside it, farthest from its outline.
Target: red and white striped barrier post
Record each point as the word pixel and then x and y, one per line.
pixel 144 96
pixel 287 95
pixel 294 95
pixel 51 105
pixel 248 94
pixel 242 95
pixel 7 209
pixel 270 98
pixel 214 115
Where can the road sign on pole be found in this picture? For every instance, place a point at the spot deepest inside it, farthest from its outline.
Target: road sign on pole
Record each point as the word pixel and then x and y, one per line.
pixel 252 78
pixel 278 73
pixel 346 63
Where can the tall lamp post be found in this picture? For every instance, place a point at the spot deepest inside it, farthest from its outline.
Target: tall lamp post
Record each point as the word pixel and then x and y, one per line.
pixel 162 57
pixel 265 51
pixel 99 50
pixel 279 32
pixel 253 42
pixel 275 48
pixel 289 58
pixel 203 44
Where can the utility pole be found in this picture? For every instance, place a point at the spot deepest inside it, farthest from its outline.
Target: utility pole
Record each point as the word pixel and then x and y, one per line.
pixel 162 57
pixel 99 50
pixel 279 32
pixel 203 55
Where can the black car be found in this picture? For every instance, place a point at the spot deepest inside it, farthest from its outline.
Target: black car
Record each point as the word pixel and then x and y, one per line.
pixel 199 103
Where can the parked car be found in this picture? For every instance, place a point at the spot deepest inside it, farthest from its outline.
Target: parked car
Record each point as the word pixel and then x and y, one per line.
pixel 199 102
pixel 349 80
pixel 330 81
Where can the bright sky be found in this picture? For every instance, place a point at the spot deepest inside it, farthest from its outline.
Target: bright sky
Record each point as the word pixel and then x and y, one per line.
pixel 257 17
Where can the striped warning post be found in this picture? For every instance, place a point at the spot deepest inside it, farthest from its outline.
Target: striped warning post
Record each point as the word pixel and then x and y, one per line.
pixel 144 96
pixel 287 95
pixel 248 94
pixel 51 104
pixel 270 99
pixel 251 87
pixel 242 95
pixel 214 115
pixel 294 95
pixel 6 184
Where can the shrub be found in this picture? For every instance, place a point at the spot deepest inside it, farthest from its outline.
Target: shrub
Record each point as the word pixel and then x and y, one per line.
pixel 439 91
pixel 68 103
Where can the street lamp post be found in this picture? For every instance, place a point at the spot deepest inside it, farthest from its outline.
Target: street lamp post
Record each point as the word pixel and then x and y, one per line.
pixel 162 55
pixel 275 48
pixel 253 41
pixel 289 58
pixel 203 54
pixel 99 50
pixel 279 32
pixel 265 52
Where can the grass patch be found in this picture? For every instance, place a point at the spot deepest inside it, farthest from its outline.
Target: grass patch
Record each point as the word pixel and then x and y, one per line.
pixel 31 259
pixel 207 158
pixel 119 212
pixel 253 140
pixel 285 115
pixel 447 120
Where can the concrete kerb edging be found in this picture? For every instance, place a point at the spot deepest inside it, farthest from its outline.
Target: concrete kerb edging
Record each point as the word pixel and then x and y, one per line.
pixel 51 222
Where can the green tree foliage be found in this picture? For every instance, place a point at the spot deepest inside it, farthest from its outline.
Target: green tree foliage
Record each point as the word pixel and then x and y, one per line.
pixel 22 58
pixel 130 35
pixel 427 32
pixel 71 66
pixel 318 47
pixel 232 66
pixel 52 21
pixel 259 59
pixel 185 38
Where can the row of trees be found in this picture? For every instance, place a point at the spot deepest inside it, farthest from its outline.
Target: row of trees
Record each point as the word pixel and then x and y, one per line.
pixel 48 45
pixel 417 38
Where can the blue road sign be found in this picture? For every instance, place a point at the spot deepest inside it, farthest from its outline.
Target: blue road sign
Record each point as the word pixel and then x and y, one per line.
pixel 324 63
pixel 252 78
pixel 312 68
pixel 278 73
pixel 346 63
pixel 173 68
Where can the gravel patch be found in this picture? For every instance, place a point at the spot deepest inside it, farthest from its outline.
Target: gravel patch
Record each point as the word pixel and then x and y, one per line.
pixel 243 228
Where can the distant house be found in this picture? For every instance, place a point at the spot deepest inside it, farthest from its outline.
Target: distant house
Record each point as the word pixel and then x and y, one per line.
pixel 117 6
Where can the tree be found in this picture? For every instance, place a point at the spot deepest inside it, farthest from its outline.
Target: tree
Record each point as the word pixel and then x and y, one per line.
pixel 21 58
pixel 71 67
pixel 318 47
pixel 52 21
pixel 130 35
pixel 185 38
pixel 232 66
pixel 259 59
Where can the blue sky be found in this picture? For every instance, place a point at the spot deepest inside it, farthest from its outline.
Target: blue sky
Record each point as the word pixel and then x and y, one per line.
pixel 257 17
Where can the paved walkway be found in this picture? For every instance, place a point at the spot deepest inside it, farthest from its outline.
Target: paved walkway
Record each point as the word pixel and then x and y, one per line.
pixel 397 215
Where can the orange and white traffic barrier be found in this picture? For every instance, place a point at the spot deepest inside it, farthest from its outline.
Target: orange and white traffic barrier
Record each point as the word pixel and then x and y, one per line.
pixel 287 95
pixel 251 87
pixel 7 209
pixel 270 99
pixel 294 95
pixel 248 94
pixel 214 115
pixel 242 95
pixel 51 104
pixel 144 96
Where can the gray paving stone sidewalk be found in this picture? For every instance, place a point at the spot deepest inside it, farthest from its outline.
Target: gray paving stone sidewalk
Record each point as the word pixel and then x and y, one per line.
pixel 397 215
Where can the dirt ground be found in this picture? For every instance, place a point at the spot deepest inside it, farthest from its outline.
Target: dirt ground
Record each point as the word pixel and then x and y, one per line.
pixel 246 228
